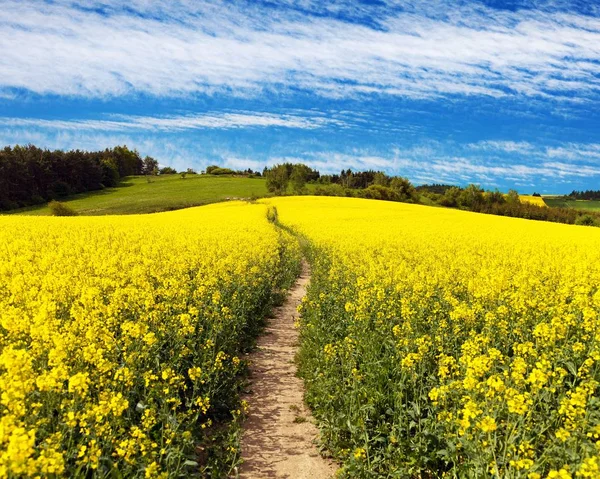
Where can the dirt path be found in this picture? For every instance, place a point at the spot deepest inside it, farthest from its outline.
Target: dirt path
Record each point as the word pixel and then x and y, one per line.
pixel 279 432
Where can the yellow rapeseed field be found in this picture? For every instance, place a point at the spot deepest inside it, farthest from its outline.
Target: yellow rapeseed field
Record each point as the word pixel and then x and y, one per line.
pixel 119 337
pixel 534 200
pixel 442 343
pixel 435 342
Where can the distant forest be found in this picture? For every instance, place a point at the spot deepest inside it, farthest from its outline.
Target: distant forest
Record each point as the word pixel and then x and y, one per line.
pixel 585 195
pixel 31 175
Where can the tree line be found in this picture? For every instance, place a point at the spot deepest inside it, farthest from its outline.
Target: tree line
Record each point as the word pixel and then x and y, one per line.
pixel 474 198
pixel 361 184
pixel 584 195
pixel 30 175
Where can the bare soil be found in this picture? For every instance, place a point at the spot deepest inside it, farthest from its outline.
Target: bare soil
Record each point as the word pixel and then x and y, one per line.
pixel 279 434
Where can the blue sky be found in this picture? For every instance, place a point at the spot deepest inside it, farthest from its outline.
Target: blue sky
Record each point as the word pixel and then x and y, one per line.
pixel 501 93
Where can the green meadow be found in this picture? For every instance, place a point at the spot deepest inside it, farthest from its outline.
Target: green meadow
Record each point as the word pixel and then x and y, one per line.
pixel 559 201
pixel 138 194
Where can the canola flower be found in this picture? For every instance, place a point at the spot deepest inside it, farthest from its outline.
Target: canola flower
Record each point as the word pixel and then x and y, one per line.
pixel 443 343
pixel 534 200
pixel 120 336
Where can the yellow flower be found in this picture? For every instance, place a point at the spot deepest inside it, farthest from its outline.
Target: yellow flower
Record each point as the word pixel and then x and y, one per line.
pixel 152 470
pixel 487 424
pixel 194 373
pixel 150 339
pixel 78 383
pixel 560 474
pixel 360 453
pixel 590 468
pixel 562 434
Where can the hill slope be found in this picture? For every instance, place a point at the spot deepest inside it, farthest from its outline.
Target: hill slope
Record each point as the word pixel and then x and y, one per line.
pixel 575 204
pixel 162 193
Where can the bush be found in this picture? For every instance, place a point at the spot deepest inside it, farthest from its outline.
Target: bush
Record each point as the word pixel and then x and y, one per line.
pixel 450 197
pixel 330 189
pixel 379 192
pixel 432 197
pixel 586 220
pixel 221 171
pixel 60 209
pixel 404 189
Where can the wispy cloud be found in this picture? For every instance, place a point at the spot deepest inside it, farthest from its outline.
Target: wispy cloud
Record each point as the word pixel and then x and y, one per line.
pixel 181 122
pixel 588 153
pixel 244 48
pixel 422 163
pixel 504 146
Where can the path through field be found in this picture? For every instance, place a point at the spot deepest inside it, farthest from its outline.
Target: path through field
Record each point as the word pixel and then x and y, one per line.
pixel 279 432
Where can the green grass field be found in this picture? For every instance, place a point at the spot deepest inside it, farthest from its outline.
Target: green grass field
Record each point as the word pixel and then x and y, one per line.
pixel 168 192
pixel 558 201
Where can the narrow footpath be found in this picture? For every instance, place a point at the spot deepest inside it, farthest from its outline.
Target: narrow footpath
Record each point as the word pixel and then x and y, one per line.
pixel 279 434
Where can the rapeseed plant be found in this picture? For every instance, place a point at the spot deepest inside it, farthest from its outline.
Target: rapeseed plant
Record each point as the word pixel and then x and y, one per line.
pixel 120 337
pixel 476 339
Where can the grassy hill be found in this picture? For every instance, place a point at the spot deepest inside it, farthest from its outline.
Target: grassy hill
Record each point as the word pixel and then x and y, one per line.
pixel 137 195
pixel 559 201
pixel 169 192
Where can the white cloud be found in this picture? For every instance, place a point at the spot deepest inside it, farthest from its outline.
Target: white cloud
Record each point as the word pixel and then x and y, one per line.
pixel 504 146
pixel 184 47
pixel 581 152
pixel 429 162
pixel 181 122
pixel 440 168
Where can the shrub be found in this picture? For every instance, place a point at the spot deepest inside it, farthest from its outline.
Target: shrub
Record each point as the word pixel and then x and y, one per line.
pixel 60 209
pixel 379 192
pixel 450 198
pixel 404 189
pixel 330 189
pixel 221 171
pixel 586 220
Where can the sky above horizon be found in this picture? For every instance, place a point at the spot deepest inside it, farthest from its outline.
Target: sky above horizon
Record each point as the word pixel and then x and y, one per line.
pixel 505 94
